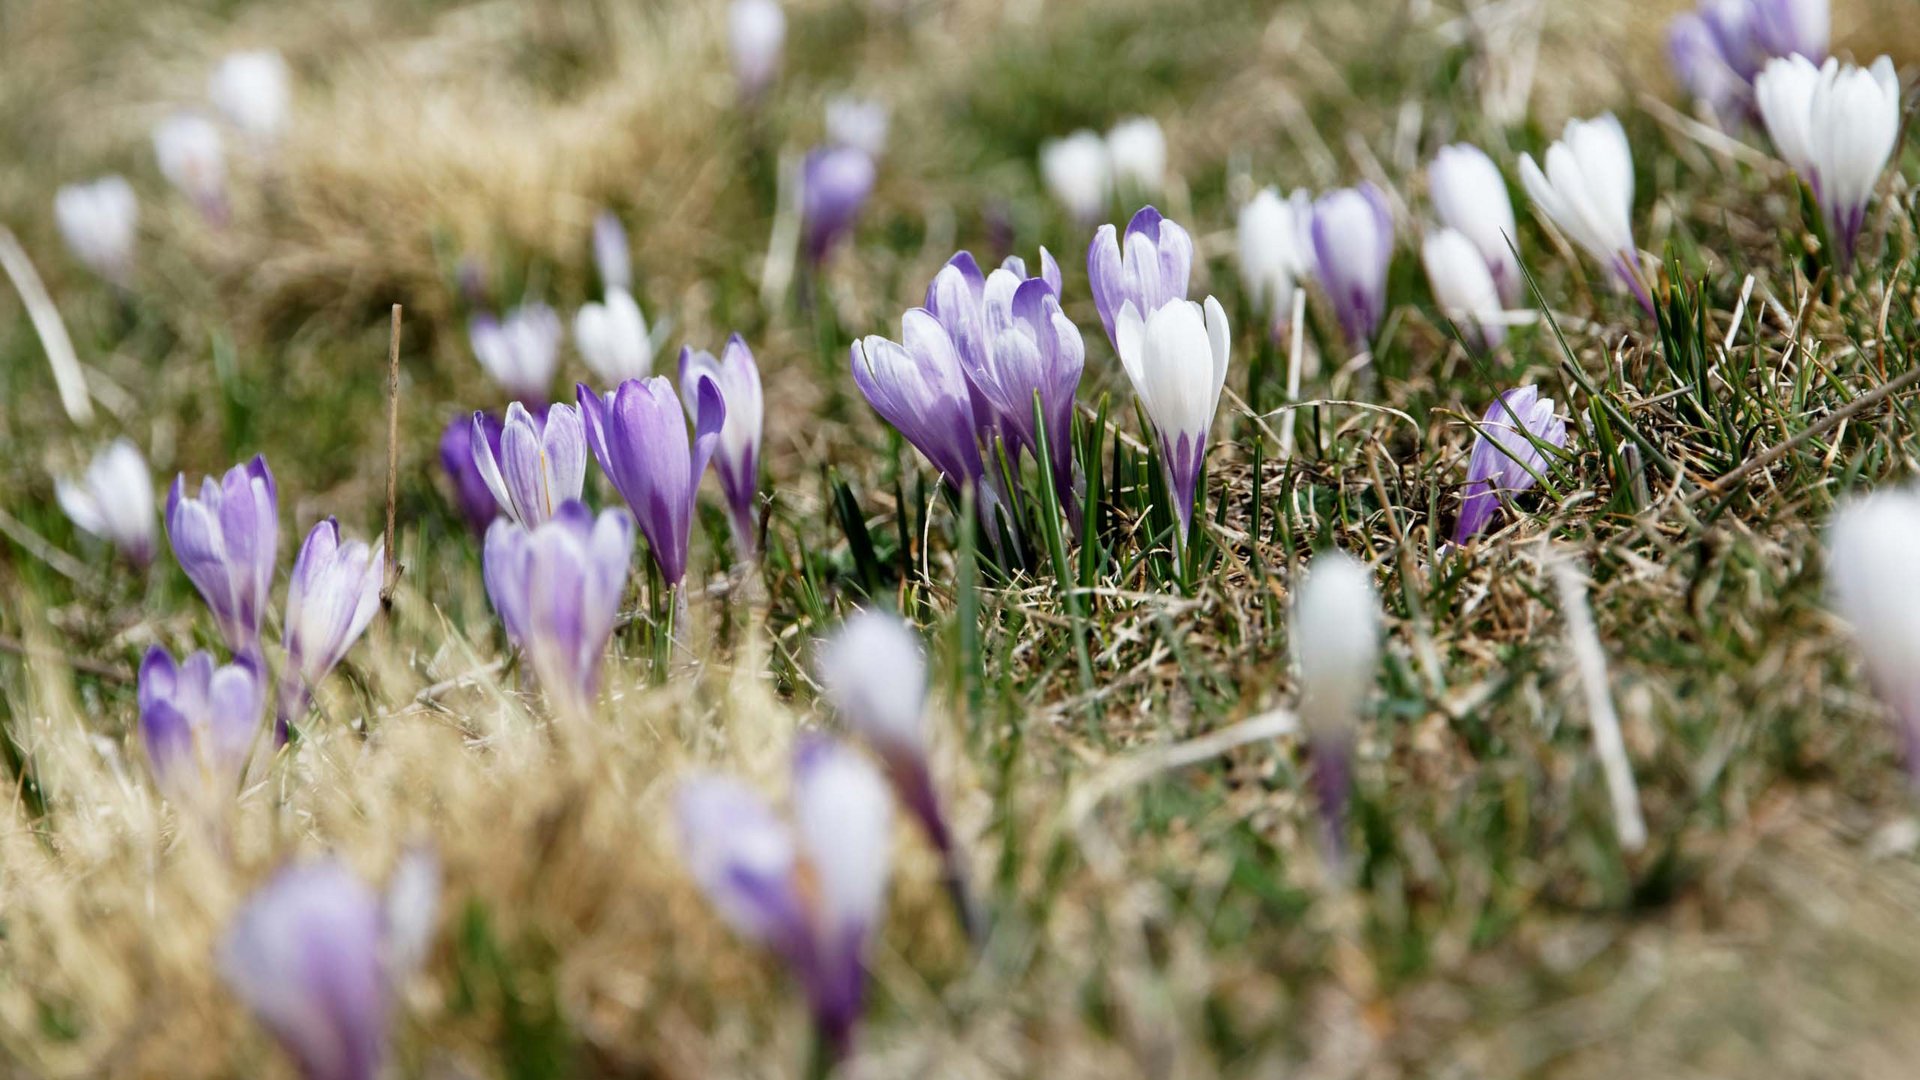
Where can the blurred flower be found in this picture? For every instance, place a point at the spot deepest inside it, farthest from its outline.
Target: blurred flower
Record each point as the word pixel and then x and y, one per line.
pixel 834 184
pixel 114 501
pixel 1148 266
pixel 541 461
pixel 1176 358
pixel 331 597
pixel 1275 252
pixel 251 90
pixel 226 542
pixel 736 378
pixel 1335 635
pixel 521 352
pixel 756 32
pixel 639 436
pixel 557 588
pixel 98 220
pixel 614 339
pixel 470 491
pixel 920 387
pixel 1506 457
pixel 813 892
pixel 1462 286
pixel 1873 582
pixel 1792 27
pixel 1079 173
pixel 198 721
pixel 192 159
pixel 610 255
pixel 1586 190
pixel 1470 197
pixel 319 958
pixel 1138 150
pixel 1352 233
pixel 1836 126
pixel 1704 69
pixel 860 123
pixel 1719 49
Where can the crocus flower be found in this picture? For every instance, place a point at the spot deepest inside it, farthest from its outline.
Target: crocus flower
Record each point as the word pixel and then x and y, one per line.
pixel 1873 582
pixel 1352 234
pixel 97 220
pixel 860 123
pixel 613 338
pixel 1704 69
pixel 737 452
pixel 1274 251
pixel 226 541
pixel 1470 196
pixel 470 491
pixel 541 461
pixel 1586 190
pixel 251 90
pixel 920 387
pixel 813 891
pixel 198 721
pixel 610 256
pixel 639 436
pixel 1079 173
pixel 521 352
pixel 1792 27
pixel 1335 635
pixel 1138 149
pixel 1506 457
pixel 191 157
pixel 1719 49
pixel 1836 126
pixel 331 597
pixel 1176 357
pixel 756 32
pixel 319 958
pixel 114 501
pixel 557 587
pixel 834 184
pixel 1462 285
pixel 1147 267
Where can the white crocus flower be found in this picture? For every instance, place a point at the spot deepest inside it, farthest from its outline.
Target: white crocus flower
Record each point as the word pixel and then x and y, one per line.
pixel 192 158
pixel 1336 643
pixel 1275 256
pixel 756 33
pixel 1586 190
pixel 1138 150
pixel 1836 126
pixel 1462 284
pixel 1176 357
pixel 613 338
pixel 857 122
pixel 1873 582
pixel 1079 173
pixel 114 501
pixel 251 89
pixel 98 221
pixel 1470 196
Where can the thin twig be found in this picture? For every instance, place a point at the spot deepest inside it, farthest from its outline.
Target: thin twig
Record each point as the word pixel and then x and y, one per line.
pixel 1146 764
pixel 1583 640
pixel 1723 484
pixel 41 548
pixel 1296 348
pixel 393 452
pixel 99 668
pixel 46 323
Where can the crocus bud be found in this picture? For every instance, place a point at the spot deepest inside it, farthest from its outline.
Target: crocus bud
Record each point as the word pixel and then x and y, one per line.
pixel 613 338
pixel 1792 27
pixel 1462 285
pixel 1470 197
pixel 191 157
pixel 1586 190
pixel 1138 149
pixel 834 184
pixel 114 501
pixel 1703 70
pixel 226 542
pixel 251 90
pixel 736 458
pixel 1275 252
pixel 1335 631
pixel 639 436
pixel 557 588
pixel 1079 173
pixel 521 352
pixel 919 386
pixel 1352 233
pixel 541 462
pixel 1506 457
pixel 1147 267
pixel 470 491
pixel 198 721
pixel 860 123
pixel 331 597
pixel 98 220
pixel 1836 126
pixel 844 819
pixel 610 255
pixel 756 32
pixel 319 957
pixel 1873 582
pixel 1176 357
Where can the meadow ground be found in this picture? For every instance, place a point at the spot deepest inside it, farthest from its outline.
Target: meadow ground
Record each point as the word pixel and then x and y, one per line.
pixel 1152 913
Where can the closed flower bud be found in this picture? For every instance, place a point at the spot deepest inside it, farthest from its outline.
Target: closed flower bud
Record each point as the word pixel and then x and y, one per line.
pixel 919 386
pixel 557 588
pixel 1138 150
pixel 613 338
pixel 736 458
pixel 1352 233
pixel 1836 126
pixel 332 595
pixel 198 721
pixel 610 256
pixel 1586 190
pixel 639 436
pixel 1176 358
pixel 860 123
pixel 1507 458
pixel 192 158
pixel 1079 173
pixel 98 221
pixel 521 352
pixel 756 32
pixel 226 541
pixel 1335 633
pixel 470 491
pixel 835 182
pixel 1147 266
pixel 1275 253
pixel 541 461
pixel 1462 286
pixel 1873 582
pixel 114 500
pixel 251 90
pixel 1470 196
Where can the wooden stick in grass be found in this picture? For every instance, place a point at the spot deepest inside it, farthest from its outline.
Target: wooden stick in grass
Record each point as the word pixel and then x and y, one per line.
pixel 393 452
pixel 46 323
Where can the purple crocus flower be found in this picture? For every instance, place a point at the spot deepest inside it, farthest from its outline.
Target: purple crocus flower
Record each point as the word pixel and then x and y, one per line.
pixel 1148 266
pixel 1702 68
pixel 639 436
pixel 319 957
pixel 557 588
pixel 470 491
pixel 737 452
pixel 814 891
pixel 920 387
pixel 1784 28
pixel 834 184
pixel 540 463
pixel 198 721
pixel 331 597
pixel 610 255
pixel 1506 459
pixel 1719 49
pixel 521 351
pixel 1352 234
pixel 225 541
